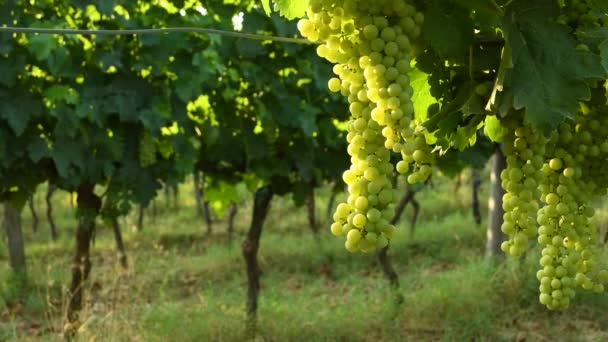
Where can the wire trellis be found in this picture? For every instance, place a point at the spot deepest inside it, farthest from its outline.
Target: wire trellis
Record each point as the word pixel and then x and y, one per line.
pixel 234 34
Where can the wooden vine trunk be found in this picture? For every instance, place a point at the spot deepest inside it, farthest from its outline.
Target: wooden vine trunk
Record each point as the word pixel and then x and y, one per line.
pixel 88 205
pixel 250 247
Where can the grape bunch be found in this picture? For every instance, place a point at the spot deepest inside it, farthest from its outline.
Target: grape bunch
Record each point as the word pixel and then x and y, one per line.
pixel 580 14
pixel 370 45
pixel 564 171
pixel 574 155
pixel 147 149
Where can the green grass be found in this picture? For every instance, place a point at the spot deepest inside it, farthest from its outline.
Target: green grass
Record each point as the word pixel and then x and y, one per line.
pixel 185 286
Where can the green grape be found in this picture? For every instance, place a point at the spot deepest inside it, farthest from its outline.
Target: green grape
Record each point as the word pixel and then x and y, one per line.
pixel 336 229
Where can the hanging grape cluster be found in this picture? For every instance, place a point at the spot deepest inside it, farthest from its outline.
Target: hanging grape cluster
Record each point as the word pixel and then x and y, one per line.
pixel 369 43
pixel 564 171
pixel 579 14
pixel 524 149
pixel 550 181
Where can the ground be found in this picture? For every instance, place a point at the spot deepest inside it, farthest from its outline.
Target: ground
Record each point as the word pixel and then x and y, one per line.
pixel 183 285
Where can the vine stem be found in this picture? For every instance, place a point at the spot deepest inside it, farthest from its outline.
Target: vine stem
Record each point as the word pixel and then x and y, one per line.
pixel 31 30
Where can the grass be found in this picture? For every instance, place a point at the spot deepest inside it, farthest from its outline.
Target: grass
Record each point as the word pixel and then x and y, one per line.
pixel 185 286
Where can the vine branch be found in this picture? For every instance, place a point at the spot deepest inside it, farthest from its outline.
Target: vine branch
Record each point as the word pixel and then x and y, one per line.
pixel 31 30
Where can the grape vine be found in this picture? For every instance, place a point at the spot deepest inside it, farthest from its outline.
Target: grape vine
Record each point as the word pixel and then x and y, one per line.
pixel 536 86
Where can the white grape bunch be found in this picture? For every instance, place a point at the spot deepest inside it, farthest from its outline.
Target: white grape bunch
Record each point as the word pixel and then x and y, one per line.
pixel 573 157
pixel 563 171
pixel 369 43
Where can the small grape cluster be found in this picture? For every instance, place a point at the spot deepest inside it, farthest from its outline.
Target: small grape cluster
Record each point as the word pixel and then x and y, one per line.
pixel 524 150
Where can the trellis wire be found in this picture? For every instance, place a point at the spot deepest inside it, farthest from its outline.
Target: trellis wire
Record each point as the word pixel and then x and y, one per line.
pixel 31 30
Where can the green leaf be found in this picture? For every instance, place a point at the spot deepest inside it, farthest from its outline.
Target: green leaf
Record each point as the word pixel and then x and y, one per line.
pixel 306 116
pixel 455 41
pixel 422 97
pixel 494 130
pixel 106 6
pixel 450 164
pixel 464 137
pixel 18 111
pixel 37 149
pixel 487 7
pixel 42 45
pixel 61 93
pixel 220 194
pixel 60 63
pixel 8 75
pixel 465 92
pixel 66 153
pixel 187 88
pixel 291 9
pixel 549 75
pixel 266 6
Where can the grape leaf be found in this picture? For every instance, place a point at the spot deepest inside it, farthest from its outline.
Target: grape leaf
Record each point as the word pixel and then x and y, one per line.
pixel 58 92
pixel 291 9
pixel 37 149
pixel 549 75
pixel 422 97
pixel 66 153
pixel 42 46
pixel 106 7
pixel 220 194
pixel 450 114
pixel 455 41
pixel 487 7
pixel 494 130
pixel 266 6
pixel 18 112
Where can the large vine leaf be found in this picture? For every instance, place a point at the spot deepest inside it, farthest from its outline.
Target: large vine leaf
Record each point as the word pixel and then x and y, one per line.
pixel 549 75
pixel 455 41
